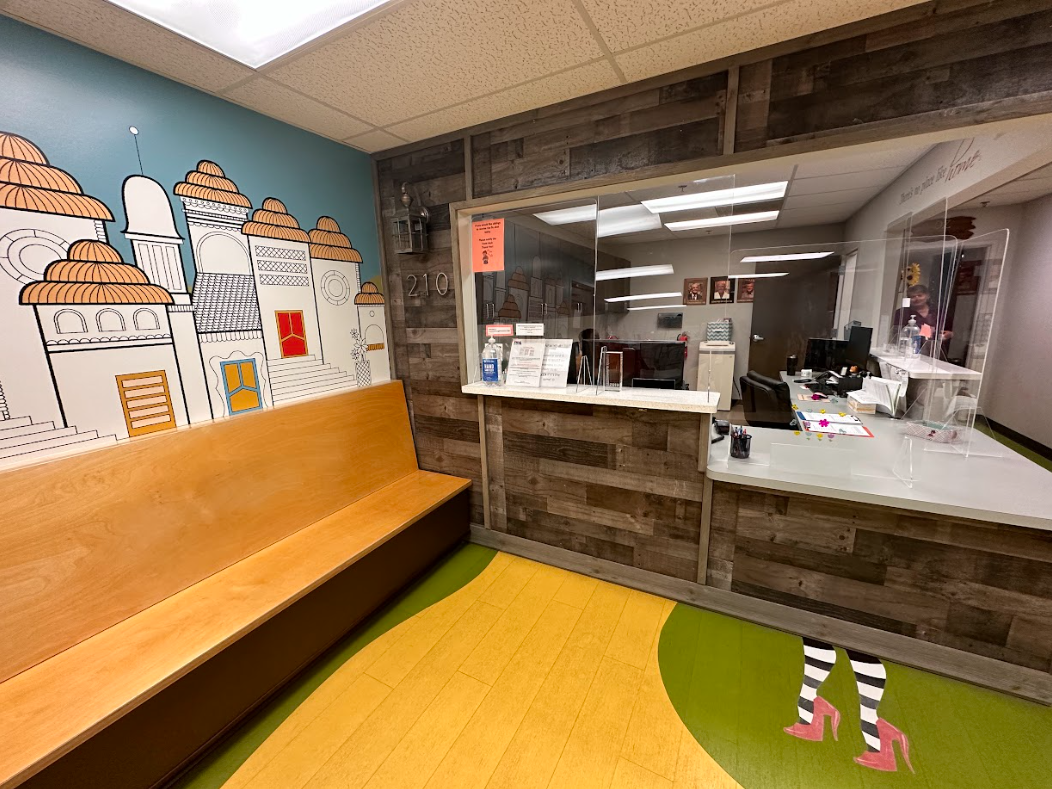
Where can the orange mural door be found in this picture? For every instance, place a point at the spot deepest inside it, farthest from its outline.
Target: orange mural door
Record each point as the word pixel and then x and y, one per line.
pixel 291 335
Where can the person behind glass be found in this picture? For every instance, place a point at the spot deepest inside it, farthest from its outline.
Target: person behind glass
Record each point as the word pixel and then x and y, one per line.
pixel 927 315
pixel 582 348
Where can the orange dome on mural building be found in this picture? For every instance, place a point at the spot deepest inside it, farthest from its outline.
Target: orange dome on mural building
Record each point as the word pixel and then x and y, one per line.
pixel 93 273
pixel 29 183
pixel 370 295
pixel 208 182
pixel 273 220
pixel 328 243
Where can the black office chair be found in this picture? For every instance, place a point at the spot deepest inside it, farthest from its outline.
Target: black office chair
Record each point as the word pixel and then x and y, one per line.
pixel 767 402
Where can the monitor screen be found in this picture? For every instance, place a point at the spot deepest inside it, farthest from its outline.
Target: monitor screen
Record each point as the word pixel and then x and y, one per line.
pixel 825 354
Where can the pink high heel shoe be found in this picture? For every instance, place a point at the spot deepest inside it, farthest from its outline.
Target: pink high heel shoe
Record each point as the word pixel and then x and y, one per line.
pixel 815 730
pixel 884 759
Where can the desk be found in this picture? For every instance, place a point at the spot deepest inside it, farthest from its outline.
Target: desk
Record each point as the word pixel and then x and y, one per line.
pixel 922 368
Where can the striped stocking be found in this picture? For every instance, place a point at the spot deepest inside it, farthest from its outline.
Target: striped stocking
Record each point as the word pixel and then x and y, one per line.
pixel 870 676
pixel 819 658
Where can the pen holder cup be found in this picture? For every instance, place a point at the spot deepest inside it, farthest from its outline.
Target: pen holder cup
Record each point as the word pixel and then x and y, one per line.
pixel 741 446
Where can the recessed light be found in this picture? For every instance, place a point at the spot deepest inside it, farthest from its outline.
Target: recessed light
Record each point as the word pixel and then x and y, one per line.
pixel 253 32
pixel 654 307
pixel 721 197
pixel 723 221
pixel 626 219
pixel 786 258
pixel 635 271
pixel 643 296
pixel 569 216
pixel 757 276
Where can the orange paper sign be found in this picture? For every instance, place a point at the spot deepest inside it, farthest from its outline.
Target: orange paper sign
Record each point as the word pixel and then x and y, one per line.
pixel 487 245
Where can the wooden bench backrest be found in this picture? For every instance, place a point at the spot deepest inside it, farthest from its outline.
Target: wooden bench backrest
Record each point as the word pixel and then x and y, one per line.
pixel 89 540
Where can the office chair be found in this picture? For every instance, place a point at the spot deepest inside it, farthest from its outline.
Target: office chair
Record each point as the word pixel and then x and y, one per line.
pixel 767 402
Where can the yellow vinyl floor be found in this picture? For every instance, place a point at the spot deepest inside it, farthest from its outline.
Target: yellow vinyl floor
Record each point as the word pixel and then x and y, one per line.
pixel 527 677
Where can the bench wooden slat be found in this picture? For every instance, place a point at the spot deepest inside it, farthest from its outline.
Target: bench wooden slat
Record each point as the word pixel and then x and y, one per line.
pixel 89 540
pixel 56 705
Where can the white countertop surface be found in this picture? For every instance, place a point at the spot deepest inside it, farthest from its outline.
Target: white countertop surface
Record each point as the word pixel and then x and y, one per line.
pixel 926 368
pixel 628 397
pixel 1007 489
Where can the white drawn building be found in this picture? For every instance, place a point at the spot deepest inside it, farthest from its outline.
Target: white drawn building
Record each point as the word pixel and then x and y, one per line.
pixel 108 341
pixel 336 267
pixel 225 308
pixel 370 304
pixel 284 285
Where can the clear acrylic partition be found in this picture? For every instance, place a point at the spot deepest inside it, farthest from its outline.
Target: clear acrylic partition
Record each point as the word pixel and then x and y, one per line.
pixel 661 251
pixel 547 277
pixel 948 416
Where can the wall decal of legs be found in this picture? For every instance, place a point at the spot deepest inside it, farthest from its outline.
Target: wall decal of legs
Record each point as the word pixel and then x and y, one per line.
pixel 870 678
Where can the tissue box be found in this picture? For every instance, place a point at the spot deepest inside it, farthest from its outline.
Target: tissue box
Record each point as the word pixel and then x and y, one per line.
pixel 862 403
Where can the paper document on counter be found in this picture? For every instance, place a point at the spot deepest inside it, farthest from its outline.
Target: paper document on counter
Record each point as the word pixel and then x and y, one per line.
pixel 838 419
pixel 525 362
pixel 837 428
pixel 886 392
pixel 556 365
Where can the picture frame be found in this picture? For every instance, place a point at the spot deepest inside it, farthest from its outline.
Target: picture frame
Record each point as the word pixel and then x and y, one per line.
pixel 746 290
pixel 695 291
pixel 721 290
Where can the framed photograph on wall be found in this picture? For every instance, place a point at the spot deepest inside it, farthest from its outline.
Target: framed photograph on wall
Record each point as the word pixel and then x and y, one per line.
pixel 746 291
pixel 695 291
pixel 722 291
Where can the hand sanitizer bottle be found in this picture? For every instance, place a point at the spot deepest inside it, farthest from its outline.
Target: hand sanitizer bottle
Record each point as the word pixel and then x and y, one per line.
pixel 491 359
pixel 908 345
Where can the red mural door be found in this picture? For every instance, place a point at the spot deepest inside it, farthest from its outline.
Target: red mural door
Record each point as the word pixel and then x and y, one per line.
pixel 291 334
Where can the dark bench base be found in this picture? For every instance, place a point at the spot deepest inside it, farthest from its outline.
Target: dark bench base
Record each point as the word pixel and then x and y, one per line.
pixel 154 742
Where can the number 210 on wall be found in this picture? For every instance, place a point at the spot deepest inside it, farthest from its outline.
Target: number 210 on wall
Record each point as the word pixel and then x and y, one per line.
pixel 415 283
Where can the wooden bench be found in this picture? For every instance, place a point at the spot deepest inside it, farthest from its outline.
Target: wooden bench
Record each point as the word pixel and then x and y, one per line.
pixel 154 593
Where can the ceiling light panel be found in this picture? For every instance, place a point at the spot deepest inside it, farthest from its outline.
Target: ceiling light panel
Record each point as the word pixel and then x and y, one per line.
pixel 635 271
pixel 758 276
pixel 626 219
pixel 723 221
pixel 759 193
pixel 253 32
pixel 569 216
pixel 655 307
pixel 786 258
pixel 644 296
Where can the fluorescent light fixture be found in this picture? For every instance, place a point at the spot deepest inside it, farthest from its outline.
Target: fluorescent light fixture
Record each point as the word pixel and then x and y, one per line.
pixel 723 221
pixel 786 258
pixel 721 197
pixel 635 271
pixel 626 219
pixel 757 276
pixel 568 216
pixel 253 32
pixel 643 296
pixel 656 307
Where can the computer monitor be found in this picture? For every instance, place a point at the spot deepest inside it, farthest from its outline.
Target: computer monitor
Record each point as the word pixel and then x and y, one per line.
pixel 859 340
pixel 826 354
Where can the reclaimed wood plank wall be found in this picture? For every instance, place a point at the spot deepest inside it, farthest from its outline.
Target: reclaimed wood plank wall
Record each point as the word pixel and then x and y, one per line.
pixel 977 587
pixel 615 483
pixel 941 64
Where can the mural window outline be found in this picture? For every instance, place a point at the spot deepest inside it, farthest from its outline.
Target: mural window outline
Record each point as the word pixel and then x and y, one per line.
pixel 150 318
pixel 63 324
pixel 335 287
pixel 292 333
pixel 15 242
pixel 242 387
pixel 146 401
pixel 104 320
pixel 374 338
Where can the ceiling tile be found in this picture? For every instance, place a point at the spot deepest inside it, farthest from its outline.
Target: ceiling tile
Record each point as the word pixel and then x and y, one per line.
pixel 430 54
pixel 836 183
pixel 377 140
pixel 285 104
pixel 540 93
pixel 900 158
pixel 101 26
pixel 758 29
pixel 630 23
pixel 854 197
pixel 825 215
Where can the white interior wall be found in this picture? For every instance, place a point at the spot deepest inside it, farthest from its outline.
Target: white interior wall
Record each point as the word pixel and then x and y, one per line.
pixel 701 257
pixel 1016 389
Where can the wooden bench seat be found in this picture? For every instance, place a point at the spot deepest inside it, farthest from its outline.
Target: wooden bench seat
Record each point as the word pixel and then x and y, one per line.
pixel 60 702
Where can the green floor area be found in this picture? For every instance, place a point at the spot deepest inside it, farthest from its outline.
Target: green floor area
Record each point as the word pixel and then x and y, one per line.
pixel 1015 446
pixel 453 572
pixel 735 685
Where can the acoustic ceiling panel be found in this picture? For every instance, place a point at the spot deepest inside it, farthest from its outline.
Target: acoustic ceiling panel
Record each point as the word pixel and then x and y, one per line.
pixel 271 98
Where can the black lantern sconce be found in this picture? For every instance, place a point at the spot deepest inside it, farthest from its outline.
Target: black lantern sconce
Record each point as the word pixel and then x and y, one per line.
pixel 409 226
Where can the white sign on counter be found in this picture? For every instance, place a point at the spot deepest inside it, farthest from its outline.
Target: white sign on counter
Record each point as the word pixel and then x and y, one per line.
pixel 556 365
pixel 526 362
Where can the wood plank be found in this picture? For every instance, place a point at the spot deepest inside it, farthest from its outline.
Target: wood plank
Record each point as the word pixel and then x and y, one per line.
pixel 581 453
pixel 74 559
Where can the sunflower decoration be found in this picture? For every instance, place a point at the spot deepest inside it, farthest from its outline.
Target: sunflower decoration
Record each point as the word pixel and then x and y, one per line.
pixel 913 274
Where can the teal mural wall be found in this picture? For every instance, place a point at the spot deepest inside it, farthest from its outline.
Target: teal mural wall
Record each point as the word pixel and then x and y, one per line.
pixel 76 105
